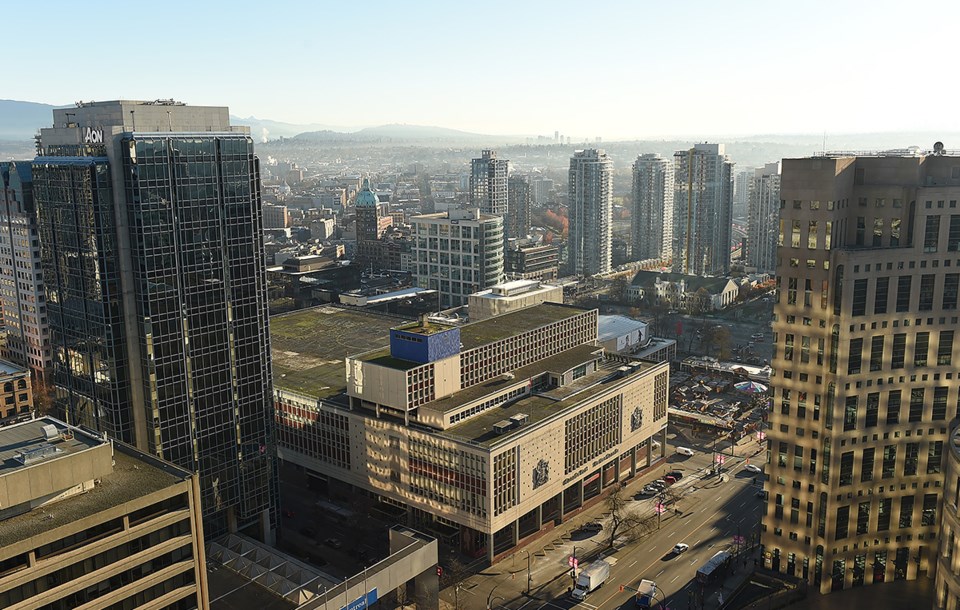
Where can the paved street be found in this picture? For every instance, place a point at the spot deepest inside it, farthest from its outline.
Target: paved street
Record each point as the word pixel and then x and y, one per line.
pixel 713 511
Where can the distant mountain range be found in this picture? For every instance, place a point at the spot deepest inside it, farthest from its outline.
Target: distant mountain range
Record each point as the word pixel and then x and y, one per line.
pixel 22 120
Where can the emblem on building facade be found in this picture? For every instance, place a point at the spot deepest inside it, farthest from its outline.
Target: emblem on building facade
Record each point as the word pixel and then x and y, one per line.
pixel 541 473
pixel 636 419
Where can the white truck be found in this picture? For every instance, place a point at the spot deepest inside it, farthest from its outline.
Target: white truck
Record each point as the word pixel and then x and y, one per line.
pixel 646 591
pixel 590 579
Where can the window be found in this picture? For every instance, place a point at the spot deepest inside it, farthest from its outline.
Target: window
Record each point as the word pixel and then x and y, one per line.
pixel 788 347
pixel 855 357
pixel 953 236
pixel 863 517
pixel 805 349
pixel 929 514
pixel 792 291
pixel 934 456
pixel 838 290
pixel 880 297
pixel 916 405
pixel 926 292
pixel 812 235
pixel 795 234
pixel 873 410
pixel 893 407
pixel 883 514
pixel 828 235
pixel 846 468
pixel 951 282
pixel 889 461
pixel 894 232
pixel 876 353
pixel 850 413
pixel 861 230
pixel 903 293
pixel 931 234
pixel 877 231
pixel 899 351
pixel 945 348
pixel 921 347
pixel 866 465
pixel 910 459
pixel 906 512
pixel 843 522
pixel 939 412
pixel 860 297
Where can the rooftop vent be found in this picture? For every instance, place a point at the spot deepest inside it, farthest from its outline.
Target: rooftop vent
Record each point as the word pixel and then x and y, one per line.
pixel 32 456
pixel 50 432
pixel 520 418
pixel 502 426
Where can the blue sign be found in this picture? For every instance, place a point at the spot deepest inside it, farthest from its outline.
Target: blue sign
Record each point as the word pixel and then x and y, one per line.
pixel 362 602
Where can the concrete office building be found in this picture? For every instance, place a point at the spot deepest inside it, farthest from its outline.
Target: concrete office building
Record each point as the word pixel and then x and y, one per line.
pixel 591 209
pixel 763 218
pixel 16 394
pixel 488 184
pixel 511 296
pixel 480 434
pixel 702 208
pixel 651 217
pixel 457 253
pixel 152 250
pixel 22 299
pixel 89 523
pixel 947 585
pixel 527 260
pixel 518 218
pixel 865 367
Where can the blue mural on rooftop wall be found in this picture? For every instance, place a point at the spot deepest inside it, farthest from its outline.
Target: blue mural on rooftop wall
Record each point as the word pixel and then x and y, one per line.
pixel 423 348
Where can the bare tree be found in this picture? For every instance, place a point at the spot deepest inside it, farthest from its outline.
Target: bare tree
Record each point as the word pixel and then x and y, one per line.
pixel 622 520
pixel 43 397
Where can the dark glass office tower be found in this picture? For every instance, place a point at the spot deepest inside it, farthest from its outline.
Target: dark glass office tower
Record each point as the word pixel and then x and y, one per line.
pixel 151 237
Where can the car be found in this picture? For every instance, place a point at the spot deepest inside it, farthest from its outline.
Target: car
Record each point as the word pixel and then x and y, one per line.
pixel 333 542
pixel 676 474
pixel 761 494
pixel 649 490
pixel 680 547
pixel 593 526
pixel 670 480
pixel 660 484
pixel 753 468
pixel 685 451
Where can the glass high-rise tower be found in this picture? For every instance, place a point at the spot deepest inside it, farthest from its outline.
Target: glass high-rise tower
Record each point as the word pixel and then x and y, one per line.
pixel 152 252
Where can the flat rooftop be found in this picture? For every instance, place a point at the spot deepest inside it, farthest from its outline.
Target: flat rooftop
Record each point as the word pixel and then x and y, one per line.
pixel 9 368
pixel 29 436
pixel 132 478
pixel 309 347
pixel 542 405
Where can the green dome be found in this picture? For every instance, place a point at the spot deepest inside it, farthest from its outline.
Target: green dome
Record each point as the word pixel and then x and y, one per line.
pixel 366 198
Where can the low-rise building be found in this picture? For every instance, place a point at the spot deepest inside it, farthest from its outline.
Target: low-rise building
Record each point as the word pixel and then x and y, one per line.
pixel 482 434
pixel 511 296
pixel 688 293
pixel 16 399
pixel 86 522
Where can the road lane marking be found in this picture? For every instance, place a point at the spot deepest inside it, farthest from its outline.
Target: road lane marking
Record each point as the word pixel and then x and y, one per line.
pixel 633 564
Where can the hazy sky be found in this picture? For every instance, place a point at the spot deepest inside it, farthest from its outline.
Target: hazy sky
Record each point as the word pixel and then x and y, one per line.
pixel 615 68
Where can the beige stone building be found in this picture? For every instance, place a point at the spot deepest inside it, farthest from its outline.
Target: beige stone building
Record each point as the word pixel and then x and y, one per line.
pixel 947 594
pixel 482 434
pixel 510 296
pixel 865 367
pixel 90 523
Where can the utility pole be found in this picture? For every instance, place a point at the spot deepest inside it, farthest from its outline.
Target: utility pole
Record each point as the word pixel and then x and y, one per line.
pixel 529 578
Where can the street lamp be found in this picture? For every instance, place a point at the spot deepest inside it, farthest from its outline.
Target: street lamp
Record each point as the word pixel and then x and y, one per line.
pixel 529 578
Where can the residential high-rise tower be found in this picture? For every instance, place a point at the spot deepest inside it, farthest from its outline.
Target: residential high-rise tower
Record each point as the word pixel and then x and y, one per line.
pixel 591 207
pixel 651 219
pixel 763 218
pixel 866 366
pixel 518 218
pixel 488 183
pixel 702 207
pixel 152 252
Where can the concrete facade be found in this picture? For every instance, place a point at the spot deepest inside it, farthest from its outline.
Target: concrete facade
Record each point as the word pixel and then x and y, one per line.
pixel 763 218
pixel 489 184
pixel 510 296
pixel 651 219
pixel 864 367
pixel 703 208
pixel 591 209
pixel 87 523
pixel 529 421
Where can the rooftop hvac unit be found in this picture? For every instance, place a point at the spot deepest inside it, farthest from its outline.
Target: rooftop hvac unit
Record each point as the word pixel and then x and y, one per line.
pixel 50 432
pixel 502 426
pixel 31 456
pixel 520 418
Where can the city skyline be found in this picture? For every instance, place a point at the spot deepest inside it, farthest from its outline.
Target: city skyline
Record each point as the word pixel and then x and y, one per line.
pixel 544 44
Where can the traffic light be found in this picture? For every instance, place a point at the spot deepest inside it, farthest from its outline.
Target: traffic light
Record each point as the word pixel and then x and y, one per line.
pixel 439 572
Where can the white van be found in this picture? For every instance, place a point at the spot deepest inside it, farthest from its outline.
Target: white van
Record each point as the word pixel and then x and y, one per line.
pixel 684 451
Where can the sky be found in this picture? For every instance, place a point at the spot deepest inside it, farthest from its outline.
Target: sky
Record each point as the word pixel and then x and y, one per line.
pixel 612 69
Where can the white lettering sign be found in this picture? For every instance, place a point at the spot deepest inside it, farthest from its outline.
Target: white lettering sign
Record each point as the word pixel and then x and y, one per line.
pixel 92 135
